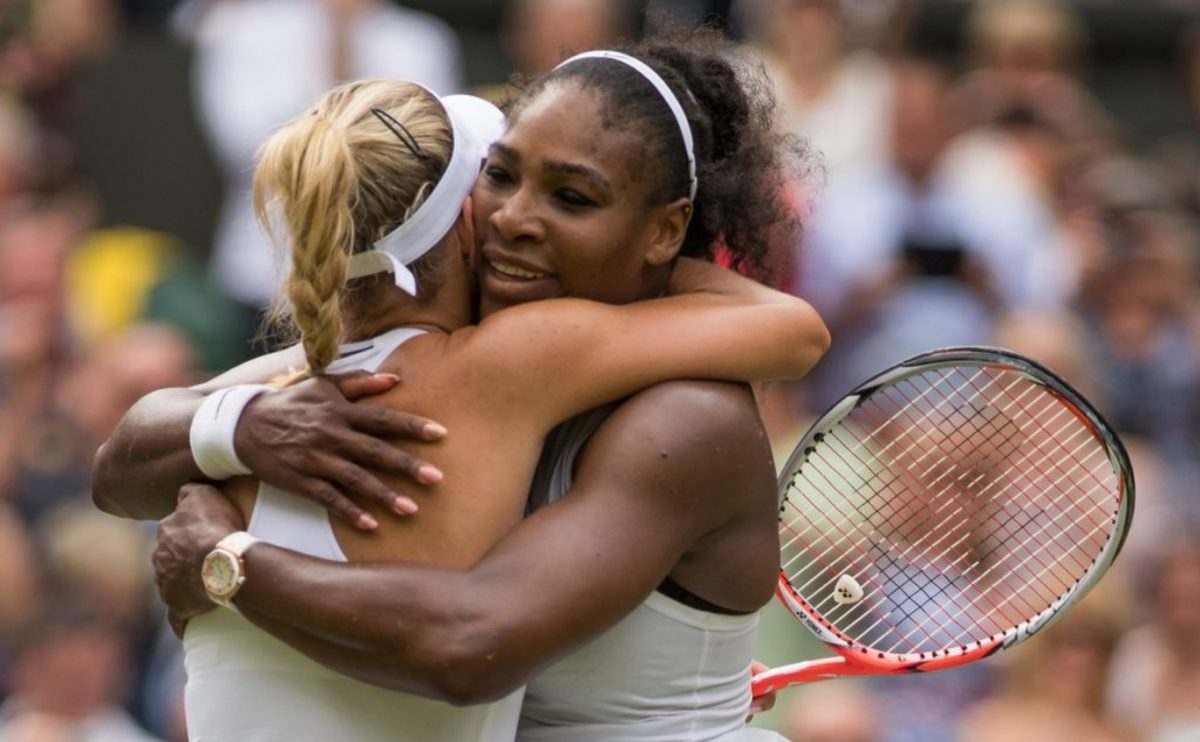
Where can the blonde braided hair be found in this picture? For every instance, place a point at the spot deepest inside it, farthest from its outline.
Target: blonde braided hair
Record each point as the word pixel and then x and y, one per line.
pixel 339 180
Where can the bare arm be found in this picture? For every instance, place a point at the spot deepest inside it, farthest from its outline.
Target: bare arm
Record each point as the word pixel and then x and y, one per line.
pixel 290 438
pixel 570 355
pixel 566 574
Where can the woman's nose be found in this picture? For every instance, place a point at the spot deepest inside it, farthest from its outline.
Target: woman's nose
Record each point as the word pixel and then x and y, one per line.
pixel 517 219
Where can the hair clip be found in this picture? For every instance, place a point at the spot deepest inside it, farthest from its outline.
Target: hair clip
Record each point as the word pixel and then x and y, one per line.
pixel 402 133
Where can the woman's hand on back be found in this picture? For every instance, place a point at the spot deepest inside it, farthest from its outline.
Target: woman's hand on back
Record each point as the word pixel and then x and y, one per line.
pixel 310 439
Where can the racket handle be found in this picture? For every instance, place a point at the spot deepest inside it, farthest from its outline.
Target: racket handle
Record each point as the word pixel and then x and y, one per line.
pixel 774 680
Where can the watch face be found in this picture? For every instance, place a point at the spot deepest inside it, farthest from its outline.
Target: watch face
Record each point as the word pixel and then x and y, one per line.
pixel 221 574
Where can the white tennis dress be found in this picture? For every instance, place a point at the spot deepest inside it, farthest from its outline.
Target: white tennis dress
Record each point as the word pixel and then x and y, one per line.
pixel 244 685
pixel 667 672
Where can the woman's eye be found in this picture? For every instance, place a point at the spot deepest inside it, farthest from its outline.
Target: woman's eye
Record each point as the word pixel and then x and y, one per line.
pixel 573 198
pixel 497 175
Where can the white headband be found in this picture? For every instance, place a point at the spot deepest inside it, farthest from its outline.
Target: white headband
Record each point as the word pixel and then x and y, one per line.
pixel 475 124
pixel 661 86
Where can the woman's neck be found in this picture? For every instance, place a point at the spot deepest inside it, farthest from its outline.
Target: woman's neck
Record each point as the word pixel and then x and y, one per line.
pixel 390 308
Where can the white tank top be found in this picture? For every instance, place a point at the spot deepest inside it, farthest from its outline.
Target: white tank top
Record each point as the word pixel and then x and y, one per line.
pixel 666 673
pixel 244 685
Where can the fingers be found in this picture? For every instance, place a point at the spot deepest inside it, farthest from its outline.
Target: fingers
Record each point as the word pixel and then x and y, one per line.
pixel 329 497
pixel 767 702
pixel 359 384
pixel 761 704
pixel 330 453
pixel 376 454
pixel 387 423
pixel 361 485
pixel 336 476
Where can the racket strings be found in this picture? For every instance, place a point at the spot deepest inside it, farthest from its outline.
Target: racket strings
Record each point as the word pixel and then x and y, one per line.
pixel 967 598
pixel 880 502
pixel 942 587
pixel 1048 398
pixel 1008 623
pixel 1053 464
pixel 863 441
pixel 910 557
pixel 1027 611
pixel 929 573
pixel 892 418
pixel 869 462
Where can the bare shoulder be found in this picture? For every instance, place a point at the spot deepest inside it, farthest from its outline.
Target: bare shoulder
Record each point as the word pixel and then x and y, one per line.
pixel 702 438
pixel 700 416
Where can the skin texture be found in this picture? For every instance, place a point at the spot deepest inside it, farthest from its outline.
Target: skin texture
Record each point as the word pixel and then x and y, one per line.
pixel 679 481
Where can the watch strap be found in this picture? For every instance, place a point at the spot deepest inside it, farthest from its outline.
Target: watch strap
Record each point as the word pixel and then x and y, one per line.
pixel 237 543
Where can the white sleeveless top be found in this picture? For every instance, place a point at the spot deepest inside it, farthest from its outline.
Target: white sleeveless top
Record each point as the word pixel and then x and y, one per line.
pixel 666 673
pixel 244 685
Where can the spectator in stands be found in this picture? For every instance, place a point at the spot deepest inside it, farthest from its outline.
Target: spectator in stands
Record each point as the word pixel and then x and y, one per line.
pixel 18 141
pixel 1054 686
pixel 99 561
pixel 1025 57
pixel 1139 303
pixel 907 256
pixel 36 236
pixel 536 33
pixel 1154 685
pixel 68 680
pixel 836 96
pixel 844 711
pixel 18 585
pixel 87 400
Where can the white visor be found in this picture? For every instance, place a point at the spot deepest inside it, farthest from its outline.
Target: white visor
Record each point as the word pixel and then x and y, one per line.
pixel 475 124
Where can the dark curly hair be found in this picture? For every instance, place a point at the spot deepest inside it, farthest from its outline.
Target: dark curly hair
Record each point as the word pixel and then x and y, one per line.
pixel 742 160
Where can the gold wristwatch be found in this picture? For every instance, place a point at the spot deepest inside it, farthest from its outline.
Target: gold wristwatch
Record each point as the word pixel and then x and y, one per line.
pixel 224 572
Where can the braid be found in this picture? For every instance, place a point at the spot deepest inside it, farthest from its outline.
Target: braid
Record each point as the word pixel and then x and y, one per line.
pixel 342 180
pixel 318 210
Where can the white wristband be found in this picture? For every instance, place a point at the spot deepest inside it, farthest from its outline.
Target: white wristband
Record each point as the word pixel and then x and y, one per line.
pixel 213 425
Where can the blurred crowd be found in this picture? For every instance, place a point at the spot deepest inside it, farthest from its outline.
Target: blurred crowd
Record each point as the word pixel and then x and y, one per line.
pixel 988 195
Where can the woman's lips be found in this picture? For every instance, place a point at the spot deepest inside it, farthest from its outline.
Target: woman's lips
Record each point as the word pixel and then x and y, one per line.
pixel 515 272
pixel 504 283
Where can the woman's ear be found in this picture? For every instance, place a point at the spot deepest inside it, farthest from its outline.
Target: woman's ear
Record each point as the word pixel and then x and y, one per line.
pixel 669 230
pixel 465 229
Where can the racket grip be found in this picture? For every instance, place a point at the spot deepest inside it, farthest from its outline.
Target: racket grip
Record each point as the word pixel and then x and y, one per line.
pixel 776 679
pixel 765 682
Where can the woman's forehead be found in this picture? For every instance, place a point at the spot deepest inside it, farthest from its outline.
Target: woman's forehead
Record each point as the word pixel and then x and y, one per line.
pixel 566 122
pixel 567 101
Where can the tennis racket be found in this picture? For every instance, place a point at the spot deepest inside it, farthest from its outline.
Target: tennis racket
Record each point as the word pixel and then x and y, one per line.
pixel 947 509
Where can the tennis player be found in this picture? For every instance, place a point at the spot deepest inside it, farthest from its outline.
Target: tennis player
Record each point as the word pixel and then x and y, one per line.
pixel 667 543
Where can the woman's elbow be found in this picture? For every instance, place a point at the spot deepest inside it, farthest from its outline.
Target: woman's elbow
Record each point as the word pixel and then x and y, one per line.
pixel 467 667
pixel 811 342
pixel 467 681
pixel 101 486
pixel 470 690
